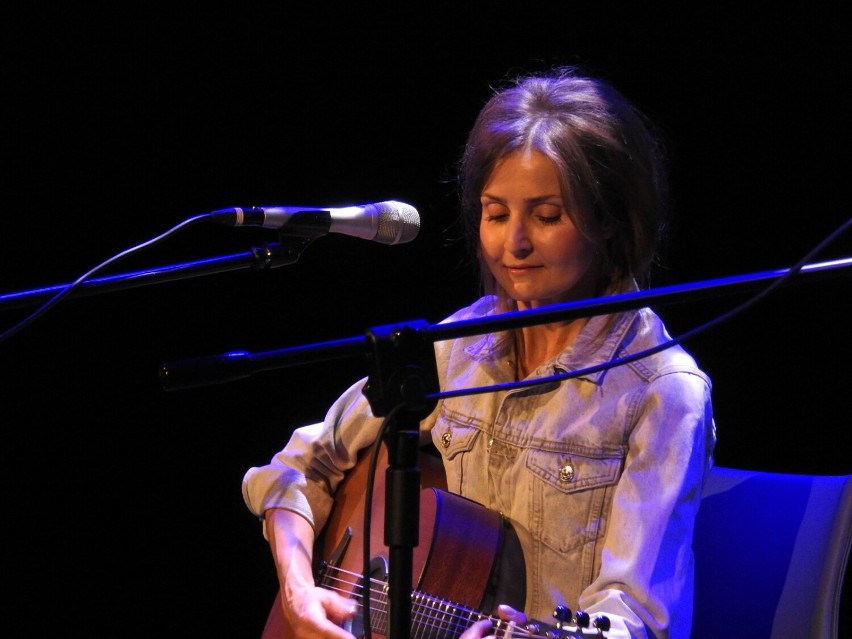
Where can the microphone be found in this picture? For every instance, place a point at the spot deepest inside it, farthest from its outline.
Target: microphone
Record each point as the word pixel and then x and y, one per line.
pixel 385 222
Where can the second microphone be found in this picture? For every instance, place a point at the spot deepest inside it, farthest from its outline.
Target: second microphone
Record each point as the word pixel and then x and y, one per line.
pixel 388 222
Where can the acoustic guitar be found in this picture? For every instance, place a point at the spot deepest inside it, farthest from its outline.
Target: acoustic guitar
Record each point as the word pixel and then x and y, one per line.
pixel 454 565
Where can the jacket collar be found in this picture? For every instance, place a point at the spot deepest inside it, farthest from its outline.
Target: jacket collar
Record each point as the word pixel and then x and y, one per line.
pixel 597 343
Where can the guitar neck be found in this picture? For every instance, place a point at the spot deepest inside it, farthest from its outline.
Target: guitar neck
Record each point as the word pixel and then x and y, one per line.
pixel 438 618
pixel 430 616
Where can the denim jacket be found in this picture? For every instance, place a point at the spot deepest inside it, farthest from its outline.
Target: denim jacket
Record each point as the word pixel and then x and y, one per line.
pixel 601 474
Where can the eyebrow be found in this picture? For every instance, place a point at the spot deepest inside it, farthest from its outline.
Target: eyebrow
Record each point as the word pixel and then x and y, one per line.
pixel 530 200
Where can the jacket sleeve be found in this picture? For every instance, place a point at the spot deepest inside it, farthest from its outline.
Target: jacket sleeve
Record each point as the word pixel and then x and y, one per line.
pixel 304 475
pixel 645 581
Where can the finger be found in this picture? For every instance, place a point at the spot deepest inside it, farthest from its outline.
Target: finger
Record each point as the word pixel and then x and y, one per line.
pixel 340 609
pixel 507 613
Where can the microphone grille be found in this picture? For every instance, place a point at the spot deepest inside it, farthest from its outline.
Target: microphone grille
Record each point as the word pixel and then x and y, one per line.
pixel 398 222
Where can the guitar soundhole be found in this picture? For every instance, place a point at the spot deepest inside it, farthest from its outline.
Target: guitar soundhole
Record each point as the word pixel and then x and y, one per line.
pixel 378 574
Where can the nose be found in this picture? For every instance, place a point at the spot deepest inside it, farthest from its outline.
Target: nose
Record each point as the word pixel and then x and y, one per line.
pixel 517 240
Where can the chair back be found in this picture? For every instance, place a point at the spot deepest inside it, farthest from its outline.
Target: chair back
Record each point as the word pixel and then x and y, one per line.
pixel 771 552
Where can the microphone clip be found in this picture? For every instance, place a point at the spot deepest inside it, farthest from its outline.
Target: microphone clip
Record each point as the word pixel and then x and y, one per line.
pixel 300 232
pixel 403 370
pixel 293 238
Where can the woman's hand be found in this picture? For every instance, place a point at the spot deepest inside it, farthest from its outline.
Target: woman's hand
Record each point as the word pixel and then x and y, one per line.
pixel 309 612
pixel 484 628
pixel 317 612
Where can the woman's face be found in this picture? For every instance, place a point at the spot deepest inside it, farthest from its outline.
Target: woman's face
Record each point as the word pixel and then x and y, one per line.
pixel 528 241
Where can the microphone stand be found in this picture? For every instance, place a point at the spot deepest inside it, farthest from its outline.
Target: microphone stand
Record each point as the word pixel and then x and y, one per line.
pixel 235 365
pixel 402 386
pixel 402 382
pixel 294 237
pixel 271 255
pixel 403 373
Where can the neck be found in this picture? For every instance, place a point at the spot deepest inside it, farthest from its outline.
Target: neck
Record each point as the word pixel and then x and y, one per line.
pixel 535 345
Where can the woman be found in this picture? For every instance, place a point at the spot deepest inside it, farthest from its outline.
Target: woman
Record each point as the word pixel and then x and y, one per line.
pixel 563 198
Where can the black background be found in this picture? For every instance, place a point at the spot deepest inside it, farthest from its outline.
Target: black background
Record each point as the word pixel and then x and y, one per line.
pixel 122 508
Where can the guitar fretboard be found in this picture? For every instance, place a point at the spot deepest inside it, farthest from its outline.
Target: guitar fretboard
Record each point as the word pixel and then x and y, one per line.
pixel 437 618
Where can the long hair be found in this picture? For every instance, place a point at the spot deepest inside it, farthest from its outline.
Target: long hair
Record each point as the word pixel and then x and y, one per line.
pixel 609 157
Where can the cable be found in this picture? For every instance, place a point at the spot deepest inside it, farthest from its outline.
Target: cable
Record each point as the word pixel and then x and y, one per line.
pixel 76 283
pixel 665 345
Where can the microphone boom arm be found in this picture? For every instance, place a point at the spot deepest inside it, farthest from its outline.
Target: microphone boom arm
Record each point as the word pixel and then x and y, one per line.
pixel 237 365
pixel 270 255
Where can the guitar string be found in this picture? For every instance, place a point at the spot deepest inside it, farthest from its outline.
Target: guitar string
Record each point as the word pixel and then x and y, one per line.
pixel 450 621
pixel 447 621
pixel 445 616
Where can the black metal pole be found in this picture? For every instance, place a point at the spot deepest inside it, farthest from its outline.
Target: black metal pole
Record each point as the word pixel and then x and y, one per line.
pixel 230 366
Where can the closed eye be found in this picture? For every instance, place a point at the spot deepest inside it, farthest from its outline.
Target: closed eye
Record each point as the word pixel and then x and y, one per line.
pixel 549 219
pixel 500 217
pixel 494 211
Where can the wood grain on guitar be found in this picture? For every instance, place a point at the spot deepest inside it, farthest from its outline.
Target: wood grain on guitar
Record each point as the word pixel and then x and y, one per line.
pixel 459 542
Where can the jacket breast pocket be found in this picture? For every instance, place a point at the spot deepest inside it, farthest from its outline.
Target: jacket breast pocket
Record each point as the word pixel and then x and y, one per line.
pixel 454 441
pixel 571 496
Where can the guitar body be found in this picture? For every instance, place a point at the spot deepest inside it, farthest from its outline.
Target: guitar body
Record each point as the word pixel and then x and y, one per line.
pixel 448 524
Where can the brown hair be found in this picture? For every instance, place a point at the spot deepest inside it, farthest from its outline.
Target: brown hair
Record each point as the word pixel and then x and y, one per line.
pixel 608 155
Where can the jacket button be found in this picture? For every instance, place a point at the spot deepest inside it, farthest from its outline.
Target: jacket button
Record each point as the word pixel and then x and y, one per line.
pixel 446 439
pixel 566 473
